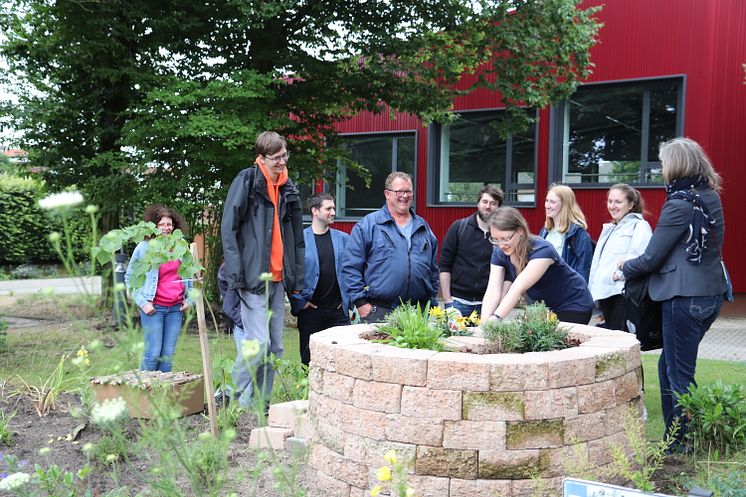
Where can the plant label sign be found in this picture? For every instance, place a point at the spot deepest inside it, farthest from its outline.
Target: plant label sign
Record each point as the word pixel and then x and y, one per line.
pixel 572 487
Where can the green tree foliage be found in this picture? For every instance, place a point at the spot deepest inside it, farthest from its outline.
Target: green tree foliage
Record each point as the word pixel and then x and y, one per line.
pixel 138 101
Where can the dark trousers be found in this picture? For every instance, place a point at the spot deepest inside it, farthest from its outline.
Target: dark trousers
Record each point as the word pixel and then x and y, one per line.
pixel 578 317
pixel 615 312
pixel 685 322
pixel 312 320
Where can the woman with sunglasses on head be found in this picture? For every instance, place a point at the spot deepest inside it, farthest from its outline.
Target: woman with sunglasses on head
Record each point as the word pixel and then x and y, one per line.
pixel 523 263
pixel 625 237
pixel 162 299
pixel 684 262
pixel 565 228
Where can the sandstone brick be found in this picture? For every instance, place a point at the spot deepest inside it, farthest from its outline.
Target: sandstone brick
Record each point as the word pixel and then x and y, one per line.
pixel 568 460
pixel 627 387
pixel 414 430
pixel 511 464
pixel 326 422
pixel 371 451
pixel 286 414
pixel 428 403
pixel 473 434
pixel 296 447
pixel 535 434
pixel 269 437
pixel 301 428
pixel 458 371
pixel 493 406
pixel 600 450
pixel 585 427
pixel 550 404
pixel 355 360
pixel 517 372
pixel 547 487
pixel 437 461
pixel 321 484
pixel 402 366
pixel 333 463
pixel 480 488
pixel 322 356
pixel 316 379
pixel 617 416
pixel 611 365
pixel 377 396
pixel 429 486
pixel 338 386
pixel 363 422
pixel 596 397
pixel 571 367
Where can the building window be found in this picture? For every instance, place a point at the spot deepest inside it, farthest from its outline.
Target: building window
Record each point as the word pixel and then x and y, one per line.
pixel 380 155
pixel 468 153
pixel 609 133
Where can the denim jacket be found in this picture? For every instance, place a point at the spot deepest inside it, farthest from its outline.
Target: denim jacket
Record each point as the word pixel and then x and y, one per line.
pixel 146 293
pixel 379 267
pixel 339 242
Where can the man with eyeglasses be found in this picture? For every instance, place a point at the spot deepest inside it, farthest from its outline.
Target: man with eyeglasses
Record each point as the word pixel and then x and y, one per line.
pixel 465 256
pixel 262 234
pixel 391 255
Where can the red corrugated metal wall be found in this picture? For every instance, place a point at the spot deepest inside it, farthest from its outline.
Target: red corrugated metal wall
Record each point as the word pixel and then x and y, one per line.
pixel 705 40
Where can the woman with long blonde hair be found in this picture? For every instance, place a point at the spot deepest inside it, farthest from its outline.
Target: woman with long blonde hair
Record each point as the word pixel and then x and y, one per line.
pixel 565 228
pixel 523 263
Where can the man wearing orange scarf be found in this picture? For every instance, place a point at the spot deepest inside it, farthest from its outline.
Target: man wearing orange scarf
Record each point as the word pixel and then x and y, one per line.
pixel 263 248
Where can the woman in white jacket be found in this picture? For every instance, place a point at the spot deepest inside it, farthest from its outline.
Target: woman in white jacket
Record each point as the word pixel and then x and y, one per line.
pixel 625 237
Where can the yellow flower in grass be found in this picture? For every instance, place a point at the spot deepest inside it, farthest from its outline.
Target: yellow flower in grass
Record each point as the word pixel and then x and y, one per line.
pixel 383 473
pixel 390 457
pixel 552 317
pixel 410 492
pixel 376 490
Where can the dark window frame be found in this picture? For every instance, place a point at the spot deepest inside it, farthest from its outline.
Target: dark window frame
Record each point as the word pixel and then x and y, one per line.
pixel 510 188
pixel 332 188
pixel 557 131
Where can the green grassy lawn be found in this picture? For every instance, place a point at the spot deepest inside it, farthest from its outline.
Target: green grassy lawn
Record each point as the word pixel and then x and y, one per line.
pixel 708 371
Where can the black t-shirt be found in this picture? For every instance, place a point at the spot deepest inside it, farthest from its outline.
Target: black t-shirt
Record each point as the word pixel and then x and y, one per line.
pixel 327 294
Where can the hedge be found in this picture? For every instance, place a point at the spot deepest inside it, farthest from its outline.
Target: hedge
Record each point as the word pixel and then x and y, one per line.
pixel 24 227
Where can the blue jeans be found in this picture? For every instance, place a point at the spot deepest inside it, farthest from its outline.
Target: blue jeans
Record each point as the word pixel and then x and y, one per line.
pixel 465 309
pixel 269 336
pixel 161 334
pixel 685 322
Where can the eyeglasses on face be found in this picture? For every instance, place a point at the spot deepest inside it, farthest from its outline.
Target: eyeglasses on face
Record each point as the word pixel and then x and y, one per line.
pixel 402 193
pixel 165 225
pixel 502 241
pixel 278 158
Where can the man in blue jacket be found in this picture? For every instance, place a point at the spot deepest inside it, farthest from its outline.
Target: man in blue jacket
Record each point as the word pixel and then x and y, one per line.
pixel 391 255
pixel 323 302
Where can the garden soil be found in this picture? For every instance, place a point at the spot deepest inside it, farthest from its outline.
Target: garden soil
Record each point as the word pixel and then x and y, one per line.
pixel 65 435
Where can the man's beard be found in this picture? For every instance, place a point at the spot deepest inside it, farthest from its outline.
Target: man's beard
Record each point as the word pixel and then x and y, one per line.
pixel 484 216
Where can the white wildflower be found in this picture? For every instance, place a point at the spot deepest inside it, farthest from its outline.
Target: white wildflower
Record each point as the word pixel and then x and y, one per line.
pixel 250 349
pixel 14 481
pixel 61 200
pixel 108 411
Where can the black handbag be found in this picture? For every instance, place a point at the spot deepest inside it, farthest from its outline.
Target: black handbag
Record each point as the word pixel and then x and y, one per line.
pixel 644 313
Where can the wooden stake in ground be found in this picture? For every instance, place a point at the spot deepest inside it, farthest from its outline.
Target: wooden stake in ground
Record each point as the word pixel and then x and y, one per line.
pixel 205 348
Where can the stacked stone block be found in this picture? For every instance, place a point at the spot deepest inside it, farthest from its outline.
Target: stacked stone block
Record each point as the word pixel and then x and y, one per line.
pixel 467 424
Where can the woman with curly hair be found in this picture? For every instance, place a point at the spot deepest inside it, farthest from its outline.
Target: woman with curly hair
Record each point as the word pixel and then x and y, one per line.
pixel 162 300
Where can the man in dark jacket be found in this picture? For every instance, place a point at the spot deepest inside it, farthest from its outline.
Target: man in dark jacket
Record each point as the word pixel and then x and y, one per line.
pixel 391 255
pixel 262 234
pixel 465 256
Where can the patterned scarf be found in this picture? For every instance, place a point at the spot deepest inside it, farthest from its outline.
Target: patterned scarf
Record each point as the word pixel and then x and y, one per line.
pixel 699 227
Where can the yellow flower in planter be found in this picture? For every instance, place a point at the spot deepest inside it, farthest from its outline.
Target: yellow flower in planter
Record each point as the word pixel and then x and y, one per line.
pixel 376 490
pixel 437 312
pixel 390 457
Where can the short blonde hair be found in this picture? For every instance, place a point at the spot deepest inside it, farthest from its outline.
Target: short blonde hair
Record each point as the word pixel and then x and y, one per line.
pixel 570 213
pixel 682 157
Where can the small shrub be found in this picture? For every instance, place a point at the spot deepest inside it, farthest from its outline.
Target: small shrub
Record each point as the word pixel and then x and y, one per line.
pixel 207 461
pixel 291 380
pixel 111 448
pixel 536 331
pixel 3 334
pixel 6 434
pixel 409 327
pixel 228 415
pixel 717 417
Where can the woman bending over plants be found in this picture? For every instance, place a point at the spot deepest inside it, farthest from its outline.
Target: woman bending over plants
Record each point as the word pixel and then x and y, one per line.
pixel 523 263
